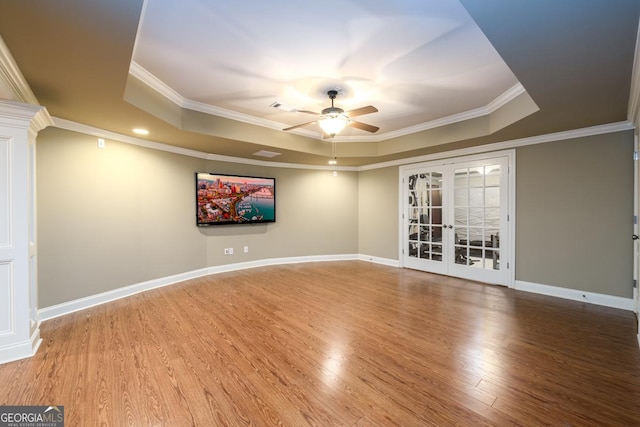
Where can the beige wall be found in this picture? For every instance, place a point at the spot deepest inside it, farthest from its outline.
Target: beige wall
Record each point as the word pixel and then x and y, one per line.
pixel 316 214
pixel 118 216
pixel 575 214
pixel 111 217
pixel 123 215
pixel 379 212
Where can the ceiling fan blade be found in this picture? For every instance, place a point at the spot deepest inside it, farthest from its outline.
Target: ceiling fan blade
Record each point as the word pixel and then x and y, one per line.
pixel 308 112
pixel 300 125
pixel 363 126
pixel 361 111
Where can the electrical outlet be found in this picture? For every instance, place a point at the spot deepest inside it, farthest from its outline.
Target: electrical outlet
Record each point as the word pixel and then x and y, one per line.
pixel 226 251
pixel 246 249
pixel 230 251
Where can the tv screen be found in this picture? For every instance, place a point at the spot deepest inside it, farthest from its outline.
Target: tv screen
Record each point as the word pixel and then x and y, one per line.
pixel 229 199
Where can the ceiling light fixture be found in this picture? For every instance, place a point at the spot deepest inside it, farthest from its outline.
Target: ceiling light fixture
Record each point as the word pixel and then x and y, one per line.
pixel 333 123
pixel 333 119
pixel 140 131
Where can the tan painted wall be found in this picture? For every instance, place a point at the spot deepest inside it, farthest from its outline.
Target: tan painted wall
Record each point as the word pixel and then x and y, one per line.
pixel 316 214
pixel 379 213
pixel 118 216
pixel 112 217
pixel 575 214
pixel 123 215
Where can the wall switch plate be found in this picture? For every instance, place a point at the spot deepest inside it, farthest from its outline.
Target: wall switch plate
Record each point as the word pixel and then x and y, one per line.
pixel 230 251
pixel 101 142
pixel 246 249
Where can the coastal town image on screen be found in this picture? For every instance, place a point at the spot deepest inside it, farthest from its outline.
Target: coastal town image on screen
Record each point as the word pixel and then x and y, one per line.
pixel 223 199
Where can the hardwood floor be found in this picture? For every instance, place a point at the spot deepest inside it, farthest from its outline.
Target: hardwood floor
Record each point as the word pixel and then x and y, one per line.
pixel 332 344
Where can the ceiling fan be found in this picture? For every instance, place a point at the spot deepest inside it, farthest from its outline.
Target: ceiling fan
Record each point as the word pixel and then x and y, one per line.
pixel 333 119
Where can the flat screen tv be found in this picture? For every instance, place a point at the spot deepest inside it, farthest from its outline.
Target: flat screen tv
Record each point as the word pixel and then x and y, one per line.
pixel 231 199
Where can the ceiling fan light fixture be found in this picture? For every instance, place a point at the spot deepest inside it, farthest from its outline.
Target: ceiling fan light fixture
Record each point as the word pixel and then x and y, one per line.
pixel 333 124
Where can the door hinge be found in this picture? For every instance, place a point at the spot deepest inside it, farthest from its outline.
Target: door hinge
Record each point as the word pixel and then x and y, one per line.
pixel 635 219
pixel 507 266
pixel 635 156
pixel 635 283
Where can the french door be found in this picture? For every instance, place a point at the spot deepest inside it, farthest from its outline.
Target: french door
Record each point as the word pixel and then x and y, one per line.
pixel 455 219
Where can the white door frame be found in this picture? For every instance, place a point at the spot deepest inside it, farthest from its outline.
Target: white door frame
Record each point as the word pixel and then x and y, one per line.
pixel 511 203
pixel 636 230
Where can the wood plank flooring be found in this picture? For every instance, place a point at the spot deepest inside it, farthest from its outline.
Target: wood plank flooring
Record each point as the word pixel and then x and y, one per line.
pixel 335 344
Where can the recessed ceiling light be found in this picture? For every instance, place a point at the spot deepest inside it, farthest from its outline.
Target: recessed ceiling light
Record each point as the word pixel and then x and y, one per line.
pixel 141 131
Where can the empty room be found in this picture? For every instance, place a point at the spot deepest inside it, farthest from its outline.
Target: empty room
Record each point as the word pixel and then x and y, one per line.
pixel 347 213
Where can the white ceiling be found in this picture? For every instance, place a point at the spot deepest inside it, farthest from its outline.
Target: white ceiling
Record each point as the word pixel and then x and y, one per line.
pixel 421 63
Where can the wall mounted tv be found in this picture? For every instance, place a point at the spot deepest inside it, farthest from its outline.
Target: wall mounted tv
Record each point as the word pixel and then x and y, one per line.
pixel 231 199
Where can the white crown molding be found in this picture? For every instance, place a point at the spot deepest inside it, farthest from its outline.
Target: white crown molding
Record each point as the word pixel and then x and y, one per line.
pixel 500 101
pixel 163 89
pixel 504 145
pixel 101 133
pixel 540 139
pixel 17 113
pixel 11 78
pixel 633 111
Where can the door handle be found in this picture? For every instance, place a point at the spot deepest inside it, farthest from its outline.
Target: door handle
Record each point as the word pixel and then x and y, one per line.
pixel 635 237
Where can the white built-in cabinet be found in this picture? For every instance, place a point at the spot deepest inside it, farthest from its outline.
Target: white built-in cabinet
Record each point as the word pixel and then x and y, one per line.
pixel 19 326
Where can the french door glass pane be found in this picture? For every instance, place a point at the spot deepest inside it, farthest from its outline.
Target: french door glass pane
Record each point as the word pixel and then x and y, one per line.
pixel 425 216
pixel 477 216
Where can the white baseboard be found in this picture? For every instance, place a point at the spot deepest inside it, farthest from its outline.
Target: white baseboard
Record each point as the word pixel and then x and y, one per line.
pixel 94 300
pixel 104 297
pixel 21 350
pixel 378 260
pixel 576 295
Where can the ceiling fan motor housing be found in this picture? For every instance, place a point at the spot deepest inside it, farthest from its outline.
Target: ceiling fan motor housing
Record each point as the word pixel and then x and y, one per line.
pixel 332 111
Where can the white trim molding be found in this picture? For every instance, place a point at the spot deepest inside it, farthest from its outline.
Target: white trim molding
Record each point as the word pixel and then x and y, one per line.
pixel 13 85
pixel 22 349
pixel 153 82
pixel 378 260
pixel 633 110
pixel 497 146
pixel 576 295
